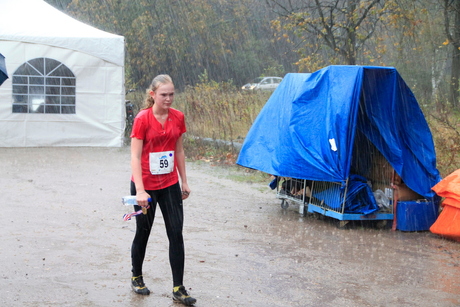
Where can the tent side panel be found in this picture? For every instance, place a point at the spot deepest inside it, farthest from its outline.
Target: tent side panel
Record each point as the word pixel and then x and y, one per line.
pixel 100 110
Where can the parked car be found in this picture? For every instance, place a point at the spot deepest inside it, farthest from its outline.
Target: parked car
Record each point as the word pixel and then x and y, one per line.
pixel 263 84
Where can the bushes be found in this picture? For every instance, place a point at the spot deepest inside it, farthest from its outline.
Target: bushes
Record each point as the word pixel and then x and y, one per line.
pixel 218 117
pixel 445 127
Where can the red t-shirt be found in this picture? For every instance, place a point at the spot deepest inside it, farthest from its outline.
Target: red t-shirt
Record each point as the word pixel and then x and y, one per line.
pixel 158 139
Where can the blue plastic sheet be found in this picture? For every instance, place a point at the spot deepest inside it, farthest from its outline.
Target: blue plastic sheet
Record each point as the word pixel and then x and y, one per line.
pixel 360 198
pixel 307 128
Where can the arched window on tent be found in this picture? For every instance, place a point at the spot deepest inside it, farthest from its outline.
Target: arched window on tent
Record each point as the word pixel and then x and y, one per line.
pixel 44 85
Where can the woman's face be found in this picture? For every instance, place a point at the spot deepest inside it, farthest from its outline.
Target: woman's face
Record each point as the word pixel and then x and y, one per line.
pixel 163 96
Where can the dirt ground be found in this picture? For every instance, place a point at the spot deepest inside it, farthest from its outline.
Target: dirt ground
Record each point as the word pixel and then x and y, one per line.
pixel 64 243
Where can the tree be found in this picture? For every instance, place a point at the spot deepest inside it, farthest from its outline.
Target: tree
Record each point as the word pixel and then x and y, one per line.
pixel 343 26
pixel 412 38
pixel 229 39
pixel 451 11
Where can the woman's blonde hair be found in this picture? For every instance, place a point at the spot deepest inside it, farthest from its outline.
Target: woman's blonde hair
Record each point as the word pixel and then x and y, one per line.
pixel 156 82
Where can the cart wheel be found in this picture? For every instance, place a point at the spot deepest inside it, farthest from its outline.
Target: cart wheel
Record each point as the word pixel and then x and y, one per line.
pixel 284 204
pixel 315 215
pixel 382 224
pixel 342 224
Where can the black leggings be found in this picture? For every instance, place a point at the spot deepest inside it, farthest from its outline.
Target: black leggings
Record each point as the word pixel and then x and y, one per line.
pixel 170 202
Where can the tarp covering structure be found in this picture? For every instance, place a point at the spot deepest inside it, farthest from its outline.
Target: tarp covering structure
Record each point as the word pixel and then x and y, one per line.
pixel 307 128
pixel 66 79
pixel 448 222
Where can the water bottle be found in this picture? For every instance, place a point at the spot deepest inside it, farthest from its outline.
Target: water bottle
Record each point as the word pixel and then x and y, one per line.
pixel 131 201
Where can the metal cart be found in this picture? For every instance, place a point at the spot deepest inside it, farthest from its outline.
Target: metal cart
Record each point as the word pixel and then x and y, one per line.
pixel 331 198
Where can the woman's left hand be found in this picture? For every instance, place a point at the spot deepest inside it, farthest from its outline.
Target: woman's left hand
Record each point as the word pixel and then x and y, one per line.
pixel 185 191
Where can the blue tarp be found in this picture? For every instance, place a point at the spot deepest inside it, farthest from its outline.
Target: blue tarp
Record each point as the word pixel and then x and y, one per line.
pixel 307 128
pixel 360 198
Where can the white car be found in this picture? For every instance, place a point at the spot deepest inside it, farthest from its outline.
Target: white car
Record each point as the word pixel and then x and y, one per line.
pixel 263 84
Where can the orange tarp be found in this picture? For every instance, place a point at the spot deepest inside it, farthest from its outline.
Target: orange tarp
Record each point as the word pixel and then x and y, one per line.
pixel 449 187
pixel 448 222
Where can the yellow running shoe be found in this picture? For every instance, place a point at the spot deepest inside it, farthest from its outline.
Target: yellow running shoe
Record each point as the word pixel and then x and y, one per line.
pixel 181 295
pixel 137 283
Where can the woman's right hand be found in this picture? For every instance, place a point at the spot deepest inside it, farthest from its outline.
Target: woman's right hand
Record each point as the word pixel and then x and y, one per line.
pixel 142 199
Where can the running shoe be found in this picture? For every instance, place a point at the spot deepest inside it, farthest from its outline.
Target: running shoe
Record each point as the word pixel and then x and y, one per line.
pixel 181 295
pixel 137 283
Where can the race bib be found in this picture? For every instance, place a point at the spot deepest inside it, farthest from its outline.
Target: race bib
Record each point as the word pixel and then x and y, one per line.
pixel 161 162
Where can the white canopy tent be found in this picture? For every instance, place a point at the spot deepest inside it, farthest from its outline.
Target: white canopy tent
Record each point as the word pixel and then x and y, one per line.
pixel 66 79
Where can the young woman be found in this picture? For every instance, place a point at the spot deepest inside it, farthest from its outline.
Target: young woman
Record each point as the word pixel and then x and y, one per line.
pixel 157 163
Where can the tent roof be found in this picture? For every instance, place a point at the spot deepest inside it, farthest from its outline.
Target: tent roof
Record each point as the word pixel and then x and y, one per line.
pixel 35 21
pixel 307 128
